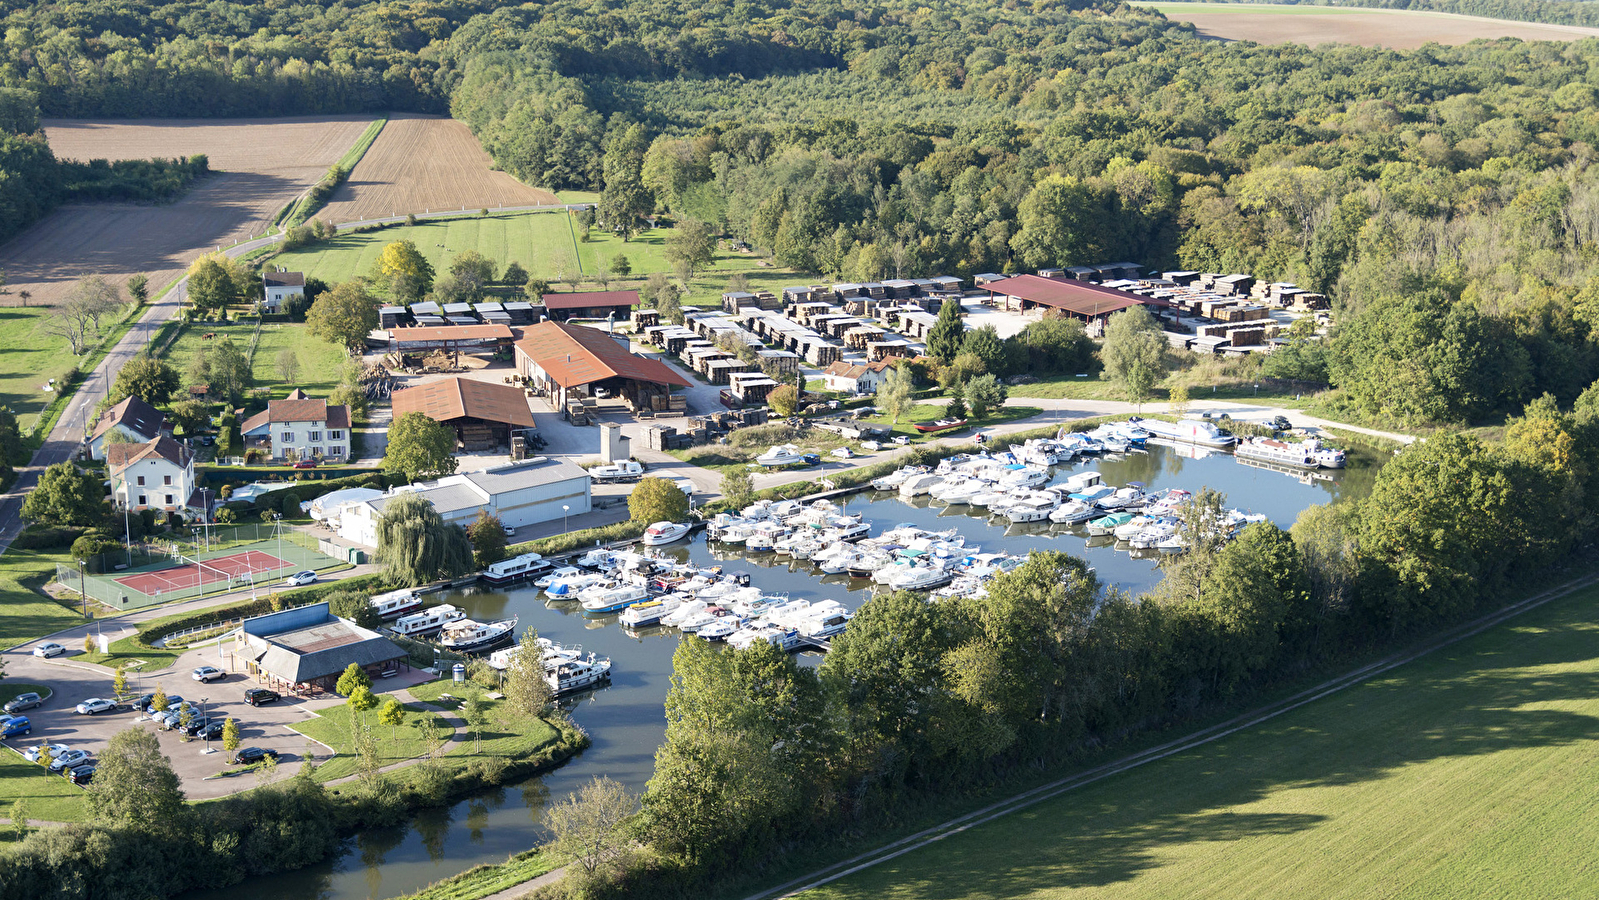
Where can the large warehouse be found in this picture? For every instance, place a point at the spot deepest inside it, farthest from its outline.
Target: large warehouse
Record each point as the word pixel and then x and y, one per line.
pixel 483 414
pixel 1089 302
pixel 572 361
pixel 525 493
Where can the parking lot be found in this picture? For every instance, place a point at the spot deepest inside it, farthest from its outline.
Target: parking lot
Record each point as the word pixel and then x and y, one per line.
pixel 266 726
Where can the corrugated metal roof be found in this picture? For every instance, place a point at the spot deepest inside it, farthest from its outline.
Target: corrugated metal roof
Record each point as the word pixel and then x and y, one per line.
pixel 588 299
pixel 455 398
pixel 446 498
pixel 574 355
pixel 1072 296
pixel 436 333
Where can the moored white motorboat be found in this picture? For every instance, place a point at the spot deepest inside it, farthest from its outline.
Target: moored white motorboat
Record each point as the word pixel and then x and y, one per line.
pixel 428 621
pixel 917 485
pixel 615 599
pixel 396 603
pixel 664 533
pixel 468 635
pixel 508 571
pixel 574 675
pixel 649 612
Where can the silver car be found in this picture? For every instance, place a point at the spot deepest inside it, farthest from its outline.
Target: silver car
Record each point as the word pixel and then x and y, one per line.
pixel 95 706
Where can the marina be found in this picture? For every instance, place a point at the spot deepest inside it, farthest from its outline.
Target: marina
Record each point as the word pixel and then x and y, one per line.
pixel 624 715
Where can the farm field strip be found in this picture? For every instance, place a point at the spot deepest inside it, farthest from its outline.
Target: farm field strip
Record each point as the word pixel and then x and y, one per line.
pixel 1397 29
pixel 1412 784
pixel 262 164
pixel 424 163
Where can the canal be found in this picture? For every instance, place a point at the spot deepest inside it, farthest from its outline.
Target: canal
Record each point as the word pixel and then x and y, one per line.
pixel 626 720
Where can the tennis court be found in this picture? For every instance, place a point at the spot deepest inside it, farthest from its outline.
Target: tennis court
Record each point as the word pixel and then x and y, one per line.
pixel 178 570
pixel 224 568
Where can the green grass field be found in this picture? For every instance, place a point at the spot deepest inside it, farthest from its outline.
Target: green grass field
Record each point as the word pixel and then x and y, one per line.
pixel 320 362
pixel 25 613
pixel 50 797
pixel 544 243
pixel 1466 774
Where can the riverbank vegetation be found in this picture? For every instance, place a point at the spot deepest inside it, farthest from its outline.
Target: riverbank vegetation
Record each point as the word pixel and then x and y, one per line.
pixel 916 701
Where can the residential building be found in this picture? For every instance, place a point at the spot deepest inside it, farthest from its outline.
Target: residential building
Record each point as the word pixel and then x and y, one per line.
pixel 135 420
pixel 313 429
pixel 279 286
pixel 524 493
pixel 857 378
pixel 158 474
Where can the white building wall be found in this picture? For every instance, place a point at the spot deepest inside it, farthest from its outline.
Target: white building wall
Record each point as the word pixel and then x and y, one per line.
pixel 155 492
pixel 299 437
pixel 527 506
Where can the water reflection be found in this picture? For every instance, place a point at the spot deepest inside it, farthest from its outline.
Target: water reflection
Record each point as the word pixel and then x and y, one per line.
pixel 627 720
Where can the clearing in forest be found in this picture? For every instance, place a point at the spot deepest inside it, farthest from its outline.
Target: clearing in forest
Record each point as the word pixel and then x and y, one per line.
pixel 1394 28
pixel 1467 773
pixel 262 165
pixel 543 242
pixel 423 162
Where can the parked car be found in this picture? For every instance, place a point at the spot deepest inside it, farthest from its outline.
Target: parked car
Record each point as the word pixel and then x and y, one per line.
pixel 206 674
pixel 253 755
pixel 174 715
pixel 211 730
pixel 871 445
pixel 23 701
pixel 15 726
pixel 32 754
pixel 258 696
pixel 173 702
pixel 811 459
pixel 206 440
pixel 509 531
pixel 901 439
pixel 1280 423
pixel 844 453
pixel 48 649
pixel 198 724
pixel 305 464
pixel 300 578
pixel 96 705
pixel 81 775
pixel 69 760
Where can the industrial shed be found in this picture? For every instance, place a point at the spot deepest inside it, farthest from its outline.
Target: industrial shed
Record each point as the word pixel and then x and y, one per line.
pixel 484 415
pixel 568 362
pixel 1089 302
pixel 591 305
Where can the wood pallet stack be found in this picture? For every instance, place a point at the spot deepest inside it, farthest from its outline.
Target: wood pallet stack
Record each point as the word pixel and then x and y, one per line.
pixel 477 437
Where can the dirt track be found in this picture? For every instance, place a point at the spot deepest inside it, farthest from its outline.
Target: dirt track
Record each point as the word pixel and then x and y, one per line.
pixel 420 163
pixel 264 163
pixel 1395 29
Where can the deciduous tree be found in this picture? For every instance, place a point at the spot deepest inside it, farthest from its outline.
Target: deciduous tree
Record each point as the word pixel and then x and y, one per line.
pixel 65 496
pixel 1134 353
pixel 738 488
pixel 984 394
pixel 152 380
pixel 894 394
pixel 487 534
pixel 527 693
pixel 587 827
pixel 405 270
pixel 657 500
pixel 420 447
pixel 352 678
pixel 784 400
pixel 134 785
pixel 344 315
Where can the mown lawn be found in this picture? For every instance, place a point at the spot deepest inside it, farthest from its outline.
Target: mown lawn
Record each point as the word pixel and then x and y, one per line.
pixel 50 797
pixel 1466 774
pixel 932 412
pixel 25 612
pixel 320 363
pixel 503 736
pixel 31 357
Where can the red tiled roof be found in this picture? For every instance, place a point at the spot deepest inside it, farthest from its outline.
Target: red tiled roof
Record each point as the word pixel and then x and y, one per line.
pixel 335 416
pixel 590 299
pixel 1078 297
pixel 457 398
pixel 575 355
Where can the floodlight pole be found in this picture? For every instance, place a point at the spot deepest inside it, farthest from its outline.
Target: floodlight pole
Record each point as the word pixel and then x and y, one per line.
pixel 564 511
pixel 83 588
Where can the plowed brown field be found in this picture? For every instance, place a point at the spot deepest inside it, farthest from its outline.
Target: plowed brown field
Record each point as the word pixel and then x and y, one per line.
pixel 264 163
pixel 424 163
pixel 1393 28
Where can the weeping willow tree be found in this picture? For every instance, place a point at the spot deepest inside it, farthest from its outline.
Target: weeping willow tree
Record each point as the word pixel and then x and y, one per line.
pixel 417 546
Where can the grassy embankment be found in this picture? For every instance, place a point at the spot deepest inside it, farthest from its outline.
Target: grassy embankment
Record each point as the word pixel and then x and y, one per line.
pixel 33 356
pixel 1463 774
pixel 504 736
pixel 25 611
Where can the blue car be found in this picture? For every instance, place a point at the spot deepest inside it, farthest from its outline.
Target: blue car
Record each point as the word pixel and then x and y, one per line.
pixel 15 727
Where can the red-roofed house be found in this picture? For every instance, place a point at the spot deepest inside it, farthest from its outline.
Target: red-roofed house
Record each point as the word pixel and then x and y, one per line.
pixel 311 428
pixel 158 474
pixel 591 305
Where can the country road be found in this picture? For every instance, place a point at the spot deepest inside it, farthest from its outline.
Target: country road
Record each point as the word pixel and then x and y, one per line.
pixel 64 438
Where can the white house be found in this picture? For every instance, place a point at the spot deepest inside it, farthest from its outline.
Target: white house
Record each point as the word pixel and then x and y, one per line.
pixel 154 475
pixel 135 420
pixel 856 378
pixel 311 428
pixel 280 286
pixel 523 493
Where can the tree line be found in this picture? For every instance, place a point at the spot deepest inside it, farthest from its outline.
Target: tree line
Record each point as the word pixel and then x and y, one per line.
pixel 765 757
